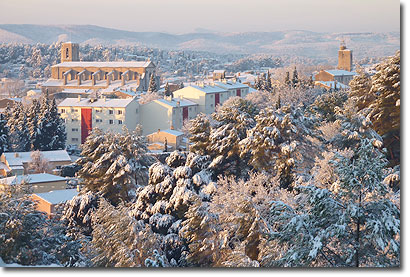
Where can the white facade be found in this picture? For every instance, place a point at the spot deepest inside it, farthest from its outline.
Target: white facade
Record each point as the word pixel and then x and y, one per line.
pixel 166 114
pixel 82 115
pixel 206 96
pixel 234 88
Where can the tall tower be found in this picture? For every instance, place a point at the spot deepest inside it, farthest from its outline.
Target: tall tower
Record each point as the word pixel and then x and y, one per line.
pixel 70 52
pixel 345 58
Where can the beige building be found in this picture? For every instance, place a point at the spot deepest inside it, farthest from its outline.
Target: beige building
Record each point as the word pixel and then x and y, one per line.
pixel 72 73
pixel 338 75
pixel 169 113
pixel 173 138
pixel 82 115
pixel 17 163
pixel 41 182
pixel 206 96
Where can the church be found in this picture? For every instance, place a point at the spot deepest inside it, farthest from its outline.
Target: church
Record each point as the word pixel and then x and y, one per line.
pixel 73 76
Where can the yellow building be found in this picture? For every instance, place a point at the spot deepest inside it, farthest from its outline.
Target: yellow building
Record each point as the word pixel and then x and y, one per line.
pixel 82 115
pixel 72 73
pixel 167 113
pixel 172 138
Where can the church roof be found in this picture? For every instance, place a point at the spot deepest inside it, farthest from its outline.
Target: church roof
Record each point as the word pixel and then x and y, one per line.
pixel 104 64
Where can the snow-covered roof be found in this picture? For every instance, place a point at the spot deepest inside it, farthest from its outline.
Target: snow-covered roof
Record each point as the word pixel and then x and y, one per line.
pixel 174 102
pixel 32 179
pixel 104 64
pixel 173 132
pixel 76 90
pixel 18 158
pixel 331 84
pixel 339 72
pixel 209 89
pixel 230 85
pixel 58 196
pixel 99 102
pixel 219 71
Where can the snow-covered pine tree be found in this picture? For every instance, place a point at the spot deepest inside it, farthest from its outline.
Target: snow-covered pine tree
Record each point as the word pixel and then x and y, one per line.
pixel 119 240
pixel 181 85
pixel 295 78
pixel 199 129
pixel 4 135
pixel 152 84
pixel 114 165
pixel 385 110
pixel 167 91
pixel 21 134
pixel 232 122
pixel 352 223
pixel 33 114
pixel 52 135
pixel 360 89
pixel 287 79
pixel 325 104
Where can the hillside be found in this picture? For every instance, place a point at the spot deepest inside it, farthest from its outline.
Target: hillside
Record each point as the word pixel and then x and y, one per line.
pixel 289 43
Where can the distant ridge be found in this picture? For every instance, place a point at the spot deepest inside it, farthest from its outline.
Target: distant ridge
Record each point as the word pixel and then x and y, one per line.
pixel 296 43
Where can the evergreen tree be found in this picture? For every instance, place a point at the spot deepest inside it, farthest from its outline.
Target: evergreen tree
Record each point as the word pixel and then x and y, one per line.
pixel 268 82
pixel 152 87
pixel 52 135
pixel 167 91
pixel 4 135
pixel 114 165
pixel 181 85
pixel 295 78
pixel 287 79
pixel 360 90
pixel 199 129
pixel 385 110
pixel 33 114
pixel 353 223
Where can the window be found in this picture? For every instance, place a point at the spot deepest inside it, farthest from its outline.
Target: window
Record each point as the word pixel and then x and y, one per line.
pixel 74 130
pixel 111 121
pixel 98 120
pixel 119 122
pixel 212 105
pixel 119 112
pixel 111 111
pixel 98 110
pixel 190 109
pixel 74 110
pixel 74 120
pixel 74 140
pixel 212 96
pixel 136 110
pixel 62 110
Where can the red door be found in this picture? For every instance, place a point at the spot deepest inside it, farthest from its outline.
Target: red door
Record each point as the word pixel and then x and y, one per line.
pixel 86 123
pixel 238 92
pixel 184 113
pixel 216 99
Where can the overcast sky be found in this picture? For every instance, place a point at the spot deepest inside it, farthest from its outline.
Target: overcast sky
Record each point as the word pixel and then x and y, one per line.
pixel 182 16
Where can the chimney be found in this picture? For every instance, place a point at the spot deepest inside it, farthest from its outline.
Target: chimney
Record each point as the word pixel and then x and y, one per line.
pixel 178 103
pixel 16 155
pixel 79 80
pixel 159 130
pixel 79 98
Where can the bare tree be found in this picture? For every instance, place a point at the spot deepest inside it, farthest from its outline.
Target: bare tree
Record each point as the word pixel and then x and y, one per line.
pixel 38 163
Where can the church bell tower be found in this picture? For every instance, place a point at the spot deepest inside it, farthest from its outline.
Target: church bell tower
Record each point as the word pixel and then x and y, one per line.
pixel 345 58
pixel 70 52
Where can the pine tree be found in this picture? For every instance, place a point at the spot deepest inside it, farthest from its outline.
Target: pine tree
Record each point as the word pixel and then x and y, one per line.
pixel 152 87
pixel 352 223
pixel 287 79
pixel 167 91
pixel 52 135
pixel 181 85
pixel 199 129
pixel 360 90
pixel 385 110
pixel 295 78
pixel 114 165
pixel 268 82
pixel 4 135
pixel 33 114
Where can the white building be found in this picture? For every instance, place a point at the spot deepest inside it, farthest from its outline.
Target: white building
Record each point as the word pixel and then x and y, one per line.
pixel 82 115
pixel 206 96
pixel 234 88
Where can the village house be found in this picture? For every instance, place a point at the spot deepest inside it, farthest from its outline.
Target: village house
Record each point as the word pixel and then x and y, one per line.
pixel 82 115
pixel 235 88
pixel 173 139
pixel 40 182
pixel 47 202
pixel 17 163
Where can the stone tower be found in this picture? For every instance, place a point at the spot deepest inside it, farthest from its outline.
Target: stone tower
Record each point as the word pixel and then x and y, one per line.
pixel 70 52
pixel 345 58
